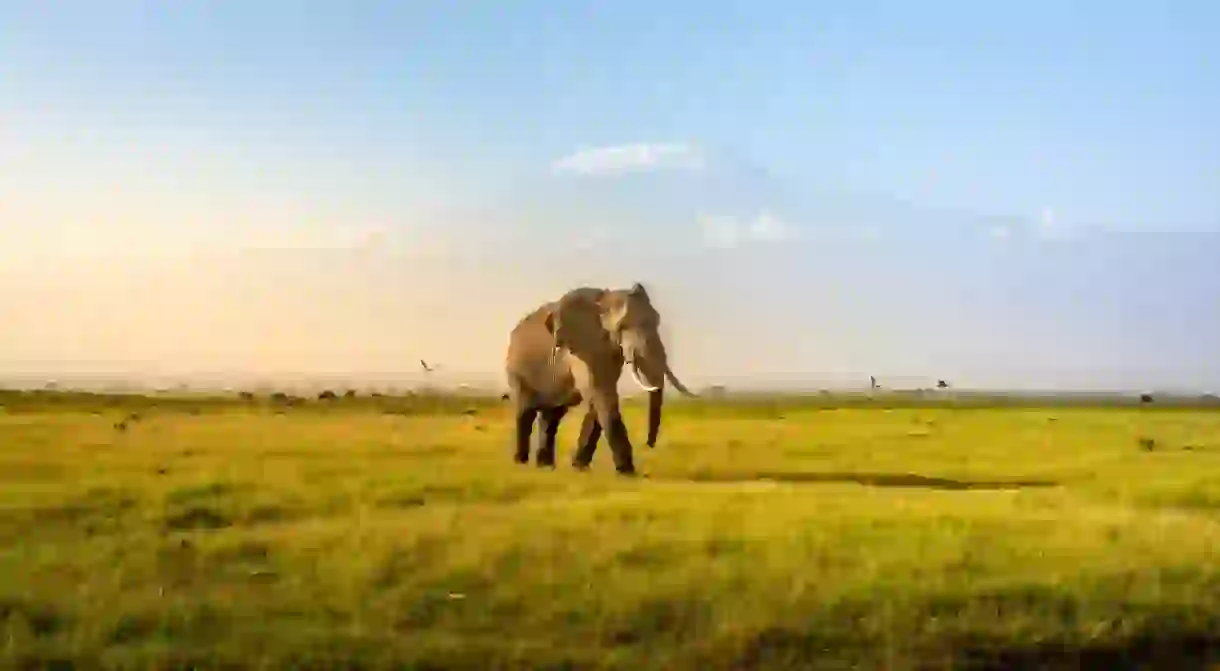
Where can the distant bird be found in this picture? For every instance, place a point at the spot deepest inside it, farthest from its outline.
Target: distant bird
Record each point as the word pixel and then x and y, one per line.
pixel 941 384
pixel 426 367
pixel 872 381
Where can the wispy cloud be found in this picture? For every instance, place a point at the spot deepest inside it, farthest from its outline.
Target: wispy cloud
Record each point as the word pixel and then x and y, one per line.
pixel 1050 225
pixel 719 232
pixel 591 238
pixel 625 158
pixel 1046 219
pixel 728 232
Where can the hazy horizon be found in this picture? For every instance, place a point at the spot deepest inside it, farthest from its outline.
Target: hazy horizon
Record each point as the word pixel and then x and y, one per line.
pixel 1002 197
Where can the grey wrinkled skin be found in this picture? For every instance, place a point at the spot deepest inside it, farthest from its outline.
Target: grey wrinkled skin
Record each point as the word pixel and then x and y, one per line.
pixel 571 352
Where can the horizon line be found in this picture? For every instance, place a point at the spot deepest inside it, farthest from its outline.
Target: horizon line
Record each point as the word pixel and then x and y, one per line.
pixel 202 381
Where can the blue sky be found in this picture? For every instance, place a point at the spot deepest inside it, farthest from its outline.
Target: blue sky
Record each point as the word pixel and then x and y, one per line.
pixel 1019 195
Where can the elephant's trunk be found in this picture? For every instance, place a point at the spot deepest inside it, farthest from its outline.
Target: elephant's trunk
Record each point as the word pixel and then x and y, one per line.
pixel 650 371
pixel 652 380
pixel 655 400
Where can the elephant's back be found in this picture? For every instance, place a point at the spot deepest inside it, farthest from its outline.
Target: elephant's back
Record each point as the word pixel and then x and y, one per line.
pixel 530 335
pixel 529 344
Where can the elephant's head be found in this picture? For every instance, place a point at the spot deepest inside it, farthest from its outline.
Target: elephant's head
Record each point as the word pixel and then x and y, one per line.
pixel 627 322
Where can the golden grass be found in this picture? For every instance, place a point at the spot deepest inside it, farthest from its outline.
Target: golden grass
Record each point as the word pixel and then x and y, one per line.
pixel 353 535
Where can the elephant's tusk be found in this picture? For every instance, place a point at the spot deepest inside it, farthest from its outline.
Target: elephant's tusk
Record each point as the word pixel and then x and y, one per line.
pixel 635 373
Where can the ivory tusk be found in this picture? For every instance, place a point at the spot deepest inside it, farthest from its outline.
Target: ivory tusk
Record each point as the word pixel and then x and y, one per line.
pixel 635 373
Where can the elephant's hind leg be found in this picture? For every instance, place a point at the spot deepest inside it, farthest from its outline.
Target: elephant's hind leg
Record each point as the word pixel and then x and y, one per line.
pixel 549 420
pixel 590 433
pixel 525 426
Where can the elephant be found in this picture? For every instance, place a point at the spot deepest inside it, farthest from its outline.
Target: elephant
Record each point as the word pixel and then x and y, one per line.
pixel 571 352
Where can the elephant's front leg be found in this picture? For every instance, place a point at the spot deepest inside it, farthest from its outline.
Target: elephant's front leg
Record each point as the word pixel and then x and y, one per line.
pixel 620 446
pixel 549 420
pixel 608 416
pixel 590 433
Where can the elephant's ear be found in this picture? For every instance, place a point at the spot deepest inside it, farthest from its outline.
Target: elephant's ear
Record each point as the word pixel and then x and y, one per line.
pixel 580 320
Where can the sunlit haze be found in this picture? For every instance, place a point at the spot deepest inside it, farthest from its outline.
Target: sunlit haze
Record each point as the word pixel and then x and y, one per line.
pixel 1017 196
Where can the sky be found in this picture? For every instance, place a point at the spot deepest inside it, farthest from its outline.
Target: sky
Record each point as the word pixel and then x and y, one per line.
pixel 1022 195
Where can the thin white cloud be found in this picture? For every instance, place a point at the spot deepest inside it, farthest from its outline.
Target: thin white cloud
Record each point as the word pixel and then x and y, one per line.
pixel 1046 224
pixel 769 228
pixel 719 232
pixel 728 232
pixel 625 158
pixel 1050 225
pixel 1046 218
pixel 590 238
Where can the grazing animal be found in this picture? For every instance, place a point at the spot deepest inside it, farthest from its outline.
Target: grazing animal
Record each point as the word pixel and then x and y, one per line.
pixel 1145 398
pixel 572 351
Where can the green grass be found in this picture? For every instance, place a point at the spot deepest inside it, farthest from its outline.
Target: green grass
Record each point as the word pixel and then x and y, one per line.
pixel 379 533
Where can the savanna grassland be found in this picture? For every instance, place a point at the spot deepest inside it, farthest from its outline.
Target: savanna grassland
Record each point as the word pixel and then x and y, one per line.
pixel 397 533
